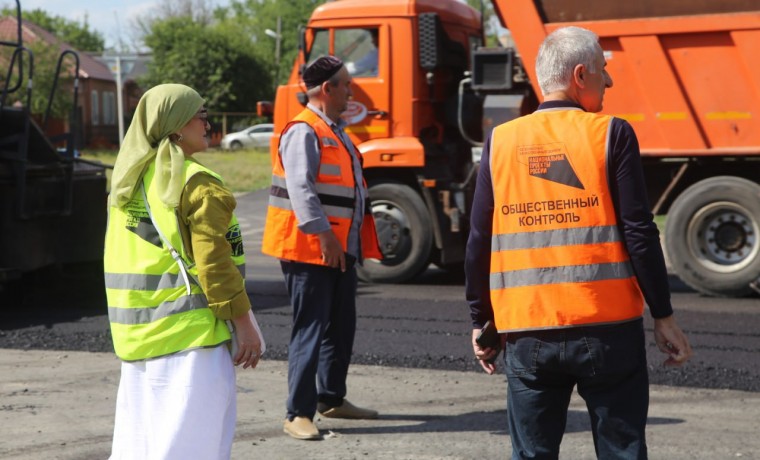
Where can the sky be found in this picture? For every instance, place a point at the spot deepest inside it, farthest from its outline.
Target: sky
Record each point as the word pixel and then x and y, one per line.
pixel 109 17
pixel 112 18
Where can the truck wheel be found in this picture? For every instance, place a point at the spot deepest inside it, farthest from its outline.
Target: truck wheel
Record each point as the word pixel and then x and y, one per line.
pixel 404 232
pixel 711 236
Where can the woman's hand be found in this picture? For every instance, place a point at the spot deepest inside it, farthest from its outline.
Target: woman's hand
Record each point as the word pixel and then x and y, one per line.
pixel 248 341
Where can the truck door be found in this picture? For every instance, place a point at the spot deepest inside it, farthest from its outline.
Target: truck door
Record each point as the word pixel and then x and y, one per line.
pixel 364 50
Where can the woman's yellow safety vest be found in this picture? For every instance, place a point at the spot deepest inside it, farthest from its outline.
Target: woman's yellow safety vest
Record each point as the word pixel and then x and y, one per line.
pixel 156 306
pixel 336 187
pixel 557 255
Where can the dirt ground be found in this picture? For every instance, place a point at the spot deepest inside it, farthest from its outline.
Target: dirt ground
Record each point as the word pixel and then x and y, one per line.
pixel 60 405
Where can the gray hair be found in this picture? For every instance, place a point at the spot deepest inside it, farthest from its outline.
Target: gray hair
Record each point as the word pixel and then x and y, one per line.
pixel 333 81
pixel 560 52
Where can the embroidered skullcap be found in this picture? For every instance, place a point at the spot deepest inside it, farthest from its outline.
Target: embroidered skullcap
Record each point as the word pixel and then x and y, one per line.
pixel 321 70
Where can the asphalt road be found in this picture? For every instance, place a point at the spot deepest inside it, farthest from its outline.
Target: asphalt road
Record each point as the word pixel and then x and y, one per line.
pixel 422 324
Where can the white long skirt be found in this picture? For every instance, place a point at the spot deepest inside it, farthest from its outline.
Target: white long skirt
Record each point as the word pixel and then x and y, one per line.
pixel 181 406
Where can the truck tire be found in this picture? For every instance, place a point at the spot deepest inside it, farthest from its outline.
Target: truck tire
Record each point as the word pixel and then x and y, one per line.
pixel 712 236
pixel 404 232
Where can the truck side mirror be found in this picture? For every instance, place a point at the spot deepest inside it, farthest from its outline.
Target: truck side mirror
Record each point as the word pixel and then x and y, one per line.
pixel 302 39
pixel 429 41
pixel 302 48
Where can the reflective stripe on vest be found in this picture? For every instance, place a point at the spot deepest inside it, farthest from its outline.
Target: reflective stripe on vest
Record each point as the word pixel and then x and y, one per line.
pixel 557 275
pixel 139 282
pixel 336 189
pixel 557 255
pixel 153 314
pixel 337 200
pixel 149 307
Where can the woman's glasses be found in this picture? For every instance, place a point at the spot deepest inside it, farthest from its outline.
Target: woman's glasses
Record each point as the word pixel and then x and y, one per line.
pixel 202 115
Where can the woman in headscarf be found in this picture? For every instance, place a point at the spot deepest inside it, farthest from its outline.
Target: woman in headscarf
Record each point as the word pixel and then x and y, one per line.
pixel 173 269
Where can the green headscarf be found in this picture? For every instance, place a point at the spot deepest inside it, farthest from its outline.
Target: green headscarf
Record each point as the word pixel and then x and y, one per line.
pixel 162 111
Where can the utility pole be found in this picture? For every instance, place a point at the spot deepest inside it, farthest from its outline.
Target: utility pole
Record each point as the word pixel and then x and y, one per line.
pixel 277 38
pixel 119 99
pixel 120 65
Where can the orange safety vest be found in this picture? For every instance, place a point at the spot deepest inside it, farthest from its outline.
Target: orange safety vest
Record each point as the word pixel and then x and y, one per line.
pixel 336 187
pixel 557 255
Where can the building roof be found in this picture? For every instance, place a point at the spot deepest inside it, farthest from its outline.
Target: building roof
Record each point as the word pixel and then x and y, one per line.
pixel 88 66
pixel 135 64
pixel 140 68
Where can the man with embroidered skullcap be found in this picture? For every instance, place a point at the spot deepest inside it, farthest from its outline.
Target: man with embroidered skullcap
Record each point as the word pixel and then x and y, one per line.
pixel 562 255
pixel 318 224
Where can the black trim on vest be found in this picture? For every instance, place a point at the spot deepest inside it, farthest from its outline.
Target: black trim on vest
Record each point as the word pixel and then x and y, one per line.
pixel 339 201
pixel 279 192
pixel 325 200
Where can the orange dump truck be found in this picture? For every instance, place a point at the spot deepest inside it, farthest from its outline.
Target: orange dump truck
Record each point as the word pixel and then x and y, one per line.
pixel 687 77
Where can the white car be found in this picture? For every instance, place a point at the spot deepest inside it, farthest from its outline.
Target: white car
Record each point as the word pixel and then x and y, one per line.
pixel 255 136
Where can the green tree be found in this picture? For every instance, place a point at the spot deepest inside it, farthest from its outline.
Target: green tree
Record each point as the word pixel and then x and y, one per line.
pixel 490 21
pixel 200 12
pixel 217 60
pixel 255 16
pixel 78 35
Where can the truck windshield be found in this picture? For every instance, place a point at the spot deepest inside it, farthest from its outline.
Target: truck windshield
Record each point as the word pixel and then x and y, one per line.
pixel 320 46
pixel 358 48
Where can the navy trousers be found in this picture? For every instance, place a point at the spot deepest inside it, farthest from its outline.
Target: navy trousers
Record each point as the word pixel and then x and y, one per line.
pixel 322 339
pixel 607 363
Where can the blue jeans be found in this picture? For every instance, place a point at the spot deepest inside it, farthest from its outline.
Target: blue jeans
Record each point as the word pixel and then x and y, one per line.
pixel 607 363
pixel 322 339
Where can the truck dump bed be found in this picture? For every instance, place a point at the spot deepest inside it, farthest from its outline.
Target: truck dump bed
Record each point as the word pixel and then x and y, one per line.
pixel 686 74
pixel 572 10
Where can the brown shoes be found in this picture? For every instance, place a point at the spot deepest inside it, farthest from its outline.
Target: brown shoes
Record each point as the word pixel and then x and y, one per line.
pixel 304 428
pixel 346 410
pixel 301 428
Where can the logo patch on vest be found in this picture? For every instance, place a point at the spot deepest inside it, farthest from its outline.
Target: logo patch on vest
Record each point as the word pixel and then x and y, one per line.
pixel 550 162
pixel 235 238
pixel 139 223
